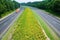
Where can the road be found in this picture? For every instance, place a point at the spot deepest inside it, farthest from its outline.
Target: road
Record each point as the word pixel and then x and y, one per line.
pixel 5 23
pixel 53 22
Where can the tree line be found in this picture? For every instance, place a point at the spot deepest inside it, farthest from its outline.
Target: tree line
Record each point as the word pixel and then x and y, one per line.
pixel 52 5
pixel 7 5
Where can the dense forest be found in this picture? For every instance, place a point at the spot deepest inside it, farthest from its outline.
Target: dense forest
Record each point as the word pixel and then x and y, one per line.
pixel 7 5
pixel 48 5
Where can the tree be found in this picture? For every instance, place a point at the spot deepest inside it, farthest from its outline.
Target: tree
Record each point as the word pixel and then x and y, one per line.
pixel 7 5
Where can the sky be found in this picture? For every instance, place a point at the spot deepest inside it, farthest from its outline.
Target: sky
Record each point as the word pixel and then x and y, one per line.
pixel 22 1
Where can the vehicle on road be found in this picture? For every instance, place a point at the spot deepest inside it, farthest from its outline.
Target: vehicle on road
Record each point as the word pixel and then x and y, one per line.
pixel 17 10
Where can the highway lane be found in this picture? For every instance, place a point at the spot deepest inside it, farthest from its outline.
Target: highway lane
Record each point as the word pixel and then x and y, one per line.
pixel 53 22
pixel 4 24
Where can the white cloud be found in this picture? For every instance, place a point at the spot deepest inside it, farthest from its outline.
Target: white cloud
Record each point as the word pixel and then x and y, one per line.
pixel 21 1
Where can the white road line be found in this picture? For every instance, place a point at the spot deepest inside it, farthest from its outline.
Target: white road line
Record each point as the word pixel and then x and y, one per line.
pixel 1 35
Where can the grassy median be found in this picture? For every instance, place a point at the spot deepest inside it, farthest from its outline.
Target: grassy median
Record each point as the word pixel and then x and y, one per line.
pixel 29 26
pixel 50 33
pixel 25 28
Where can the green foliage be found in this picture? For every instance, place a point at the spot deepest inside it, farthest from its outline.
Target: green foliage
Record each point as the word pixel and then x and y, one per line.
pixel 7 5
pixel 57 6
pixel 53 5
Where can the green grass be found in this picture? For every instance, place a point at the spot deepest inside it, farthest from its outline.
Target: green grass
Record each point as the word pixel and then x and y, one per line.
pixel 6 13
pixel 47 29
pixel 29 27
pixel 25 28
pixel 53 13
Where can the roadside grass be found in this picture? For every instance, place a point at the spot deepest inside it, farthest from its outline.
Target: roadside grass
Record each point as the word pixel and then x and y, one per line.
pixel 5 14
pixel 50 33
pixel 53 13
pixel 25 28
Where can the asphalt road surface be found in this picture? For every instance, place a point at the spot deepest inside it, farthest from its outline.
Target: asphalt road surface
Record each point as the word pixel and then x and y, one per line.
pixel 4 24
pixel 53 22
